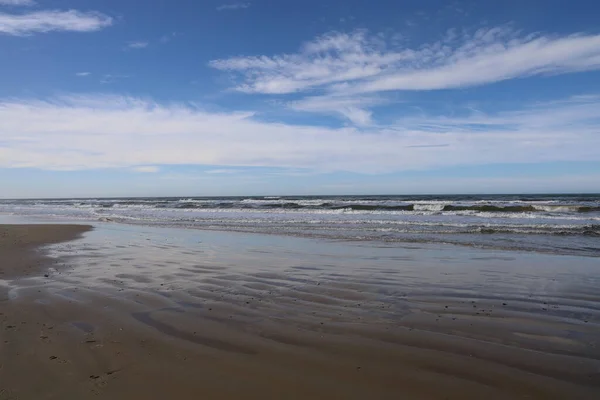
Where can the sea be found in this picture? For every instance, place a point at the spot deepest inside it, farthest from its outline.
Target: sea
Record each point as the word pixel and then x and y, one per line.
pixel 567 224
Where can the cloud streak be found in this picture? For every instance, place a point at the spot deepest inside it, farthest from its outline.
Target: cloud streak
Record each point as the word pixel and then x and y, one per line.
pixel 52 21
pixel 355 63
pixel 87 132
pixel 351 108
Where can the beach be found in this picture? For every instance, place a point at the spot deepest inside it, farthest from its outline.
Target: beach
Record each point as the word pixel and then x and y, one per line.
pixel 125 311
pixel 296 200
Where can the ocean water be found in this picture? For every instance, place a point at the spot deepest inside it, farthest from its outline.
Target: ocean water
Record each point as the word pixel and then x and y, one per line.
pixel 557 224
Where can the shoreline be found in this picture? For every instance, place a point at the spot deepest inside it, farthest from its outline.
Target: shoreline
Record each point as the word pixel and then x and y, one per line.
pixel 20 244
pixel 153 312
pixel 559 224
pixel 314 236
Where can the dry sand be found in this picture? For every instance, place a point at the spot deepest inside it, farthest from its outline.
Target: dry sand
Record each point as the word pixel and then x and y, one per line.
pixel 136 343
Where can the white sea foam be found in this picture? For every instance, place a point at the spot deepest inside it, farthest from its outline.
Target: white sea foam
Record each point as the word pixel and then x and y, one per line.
pixel 434 207
pixel 555 208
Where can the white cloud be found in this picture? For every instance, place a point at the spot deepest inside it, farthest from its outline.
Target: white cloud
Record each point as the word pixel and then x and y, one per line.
pixel 146 169
pixel 361 63
pixel 352 108
pixel 49 21
pixel 233 6
pixel 137 45
pixel 83 74
pixel 17 3
pixel 329 59
pixel 83 132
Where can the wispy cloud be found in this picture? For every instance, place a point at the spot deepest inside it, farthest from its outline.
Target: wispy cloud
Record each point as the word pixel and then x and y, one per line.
pixel 17 2
pixel 49 21
pixel 233 6
pixel 83 132
pixel 358 62
pixel 355 109
pixel 137 45
pixel 82 74
pixel 329 59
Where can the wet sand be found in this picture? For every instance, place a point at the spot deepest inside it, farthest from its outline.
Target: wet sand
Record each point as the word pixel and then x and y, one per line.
pixel 135 312
pixel 18 242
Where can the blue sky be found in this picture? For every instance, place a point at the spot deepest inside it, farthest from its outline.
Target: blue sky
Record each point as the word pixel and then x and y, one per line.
pixel 182 97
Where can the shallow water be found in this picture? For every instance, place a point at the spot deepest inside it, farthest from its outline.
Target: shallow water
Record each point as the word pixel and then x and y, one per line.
pixel 314 283
pixel 557 224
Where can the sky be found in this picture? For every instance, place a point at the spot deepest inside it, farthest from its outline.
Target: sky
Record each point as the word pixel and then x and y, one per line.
pixel 273 97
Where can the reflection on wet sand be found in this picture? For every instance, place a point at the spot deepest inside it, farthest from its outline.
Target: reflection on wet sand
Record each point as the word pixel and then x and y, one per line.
pixel 320 319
